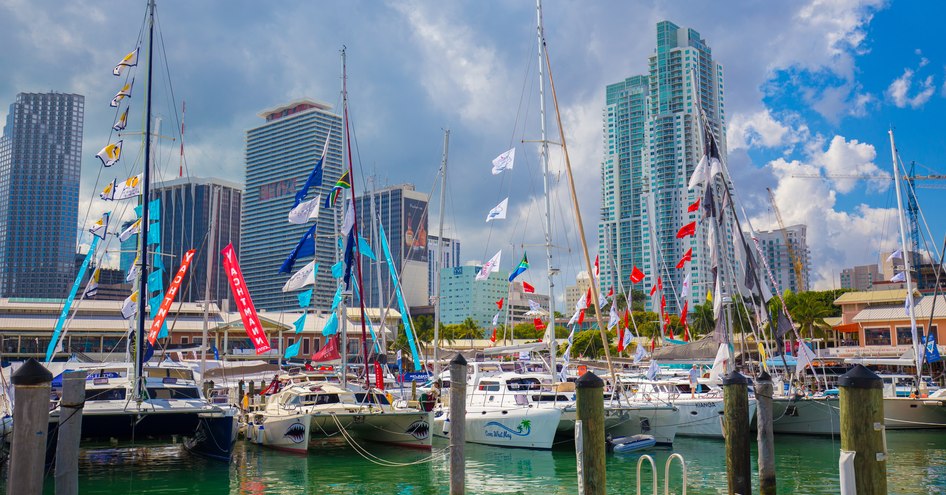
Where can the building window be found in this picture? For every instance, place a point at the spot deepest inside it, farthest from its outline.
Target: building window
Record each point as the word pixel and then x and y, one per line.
pixel 905 335
pixel 305 346
pixel 877 336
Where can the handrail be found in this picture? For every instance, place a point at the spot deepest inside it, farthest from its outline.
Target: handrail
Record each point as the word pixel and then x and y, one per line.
pixel 653 469
pixel 683 465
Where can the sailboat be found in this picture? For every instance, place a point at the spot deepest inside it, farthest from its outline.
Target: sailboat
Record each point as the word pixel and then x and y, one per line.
pixel 135 401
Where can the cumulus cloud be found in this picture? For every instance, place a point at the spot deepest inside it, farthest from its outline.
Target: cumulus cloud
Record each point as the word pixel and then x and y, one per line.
pixel 899 90
pixel 854 159
pixel 761 129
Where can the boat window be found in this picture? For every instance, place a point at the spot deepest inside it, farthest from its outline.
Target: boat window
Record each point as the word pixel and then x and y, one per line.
pixel 489 386
pixel 371 398
pixel 173 393
pixel 522 400
pixel 523 384
pixel 324 399
pixel 105 394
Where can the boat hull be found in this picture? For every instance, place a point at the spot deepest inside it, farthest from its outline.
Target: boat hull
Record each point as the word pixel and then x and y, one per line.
pixel 527 428
pixel 806 416
pixel 903 413
pixel 701 418
pixel 625 421
pixel 215 436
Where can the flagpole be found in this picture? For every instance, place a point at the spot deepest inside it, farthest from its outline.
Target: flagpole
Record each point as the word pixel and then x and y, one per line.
pixel 210 252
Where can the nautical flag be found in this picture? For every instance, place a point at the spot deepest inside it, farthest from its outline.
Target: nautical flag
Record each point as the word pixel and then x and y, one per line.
pixel 639 354
pixel 614 318
pixel 620 338
pixel 896 255
pixel 900 277
pixel 154 210
pixel 605 299
pixel 659 285
pixel 305 211
pixel 699 174
pixel 534 306
pixel 132 229
pixel 717 299
pixel 364 249
pixel 129 60
pixel 303 277
pixel 574 318
pixel 504 161
pixel 597 270
pixel 686 287
pixel 652 370
pixel 110 154
pixel 122 121
pixel 93 287
pixel 523 266
pixel 804 358
pixel 688 256
pixel 683 313
pixel 716 167
pixel 492 337
pixel 636 276
pixel 115 190
pixel 932 351
pixel 130 306
pixel 687 230
pixel 663 304
pixel 154 233
pixel 338 269
pixel 344 182
pixel 100 227
pixel 539 324
pixel 305 247
pixel 499 211
pixel 299 324
pixel 315 177
pixel 528 288
pixel 490 266
pixel 496 319
pixel 349 256
pixel 123 93
pixel 582 302
pixel 694 206
pixel 156 281
pixel 134 270
pixel 709 203
pixel 499 303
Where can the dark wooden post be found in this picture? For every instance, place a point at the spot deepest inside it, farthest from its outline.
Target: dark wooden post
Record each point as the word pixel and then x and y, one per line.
pixel 457 425
pixel 862 428
pixel 31 384
pixel 70 432
pixel 736 425
pixel 763 413
pixel 590 411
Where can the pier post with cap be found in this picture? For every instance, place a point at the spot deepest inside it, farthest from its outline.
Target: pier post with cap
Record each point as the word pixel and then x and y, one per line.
pixel 589 389
pixel 736 426
pixel 31 384
pixel 70 433
pixel 457 425
pixel 862 432
pixel 764 390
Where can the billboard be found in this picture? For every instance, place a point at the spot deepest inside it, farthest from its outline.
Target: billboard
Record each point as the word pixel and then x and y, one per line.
pixel 415 230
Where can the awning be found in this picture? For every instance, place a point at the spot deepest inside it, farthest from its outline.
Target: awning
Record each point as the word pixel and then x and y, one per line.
pixel 848 328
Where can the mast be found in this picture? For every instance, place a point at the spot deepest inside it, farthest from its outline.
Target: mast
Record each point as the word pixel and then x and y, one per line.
pixel 439 263
pixel 342 312
pixel 540 35
pixel 143 234
pixel 376 233
pixel 210 250
pixel 905 256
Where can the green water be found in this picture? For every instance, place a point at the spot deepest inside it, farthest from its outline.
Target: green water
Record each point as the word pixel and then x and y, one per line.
pixel 804 465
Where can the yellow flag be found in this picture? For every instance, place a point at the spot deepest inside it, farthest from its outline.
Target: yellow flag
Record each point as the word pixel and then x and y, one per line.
pixel 129 60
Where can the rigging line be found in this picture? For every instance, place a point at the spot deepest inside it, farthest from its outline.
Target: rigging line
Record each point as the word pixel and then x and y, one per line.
pixel 167 71
pixel 912 192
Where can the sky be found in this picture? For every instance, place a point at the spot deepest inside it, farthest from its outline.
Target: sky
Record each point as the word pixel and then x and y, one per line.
pixel 812 88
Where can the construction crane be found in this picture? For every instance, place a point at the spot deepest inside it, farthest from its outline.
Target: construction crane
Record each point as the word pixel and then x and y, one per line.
pixel 792 256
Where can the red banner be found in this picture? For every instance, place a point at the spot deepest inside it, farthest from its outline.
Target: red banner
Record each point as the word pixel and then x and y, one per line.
pixel 244 304
pixel 162 313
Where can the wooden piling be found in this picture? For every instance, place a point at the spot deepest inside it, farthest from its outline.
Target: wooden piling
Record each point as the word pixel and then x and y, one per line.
pixel 862 420
pixel 763 413
pixel 70 432
pixel 31 385
pixel 736 426
pixel 590 411
pixel 457 425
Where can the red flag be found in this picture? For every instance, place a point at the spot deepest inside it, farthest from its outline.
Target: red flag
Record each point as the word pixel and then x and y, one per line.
pixel 687 230
pixel 627 315
pixel 660 283
pixel 610 292
pixel 620 340
pixel 499 303
pixel 493 338
pixel 694 207
pixel 588 297
pixel 581 317
pixel 683 313
pixel 671 333
pixel 539 325
pixel 686 333
pixel 378 376
pixel 688 256
pixel 597 270
pixel 653 344
pixel 527 288
pixel 636 276
pixel 663 304
pixel 329 352
pixel 162 313
pixel 244 304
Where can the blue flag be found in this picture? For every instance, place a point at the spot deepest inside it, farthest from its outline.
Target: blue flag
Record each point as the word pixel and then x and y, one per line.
pixel 349 257
pixel 314 180
pixel 216 352
pixel 932 351
pixel 365 249
pixel 292 350
pixel 305 298
pixel 154 233
pixel 338 269
pixel 156 281
pixel 305 247
pixel 154 210
pixel 331 326
pixel 53 342
pixel 300 323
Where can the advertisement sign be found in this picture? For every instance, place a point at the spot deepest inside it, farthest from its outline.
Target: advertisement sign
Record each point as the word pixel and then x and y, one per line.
pixel 175 286
pixel 415 230
pixel 244 304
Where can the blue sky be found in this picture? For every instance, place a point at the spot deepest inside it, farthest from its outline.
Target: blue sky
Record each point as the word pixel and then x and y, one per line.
pixel 812 88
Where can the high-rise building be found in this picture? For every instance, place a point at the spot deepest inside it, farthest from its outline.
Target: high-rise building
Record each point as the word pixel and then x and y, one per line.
pixel 462 296
pixel 280 155
pixel 779 259
pixel 185 224
pixel 652 143
pixel 403 214
pixel 450 259
pixel 40 163
pixel 573 292
pixel 860 278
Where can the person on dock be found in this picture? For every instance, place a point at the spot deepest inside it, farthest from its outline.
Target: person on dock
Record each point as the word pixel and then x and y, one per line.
pixel 694 380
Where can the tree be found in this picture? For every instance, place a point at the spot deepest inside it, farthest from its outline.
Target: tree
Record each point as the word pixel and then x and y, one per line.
pixel 808 311
pixel 702 321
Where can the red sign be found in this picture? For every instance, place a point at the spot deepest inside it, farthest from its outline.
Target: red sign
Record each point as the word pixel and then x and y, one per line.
pixel 378 375
pixel 254 330
pixel 162 313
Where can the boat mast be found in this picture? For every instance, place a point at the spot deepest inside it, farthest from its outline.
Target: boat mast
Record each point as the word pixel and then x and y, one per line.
pixel 540 36
pixel 439 263
pixel 211 244
pixel 905 255
pixel 143 234
pixel 376 233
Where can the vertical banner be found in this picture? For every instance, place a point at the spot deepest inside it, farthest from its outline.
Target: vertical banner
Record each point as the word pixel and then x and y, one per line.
pixel 168 299
pixel 244 304
pixel 54 341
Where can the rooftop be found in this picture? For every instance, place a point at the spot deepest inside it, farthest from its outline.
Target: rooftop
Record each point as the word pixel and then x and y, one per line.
pixel 873 297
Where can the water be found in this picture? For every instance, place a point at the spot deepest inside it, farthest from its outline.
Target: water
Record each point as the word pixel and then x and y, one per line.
pixel 917 465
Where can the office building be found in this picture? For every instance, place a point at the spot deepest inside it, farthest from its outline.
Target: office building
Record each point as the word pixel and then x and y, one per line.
pixel 652 145
pixel 40 163
pixel 450 258
pixel 860 278
pixel 462 296
pixel 519 308
pixel 186 205
pixel 573 292
pixel 782 260
pixel 280 155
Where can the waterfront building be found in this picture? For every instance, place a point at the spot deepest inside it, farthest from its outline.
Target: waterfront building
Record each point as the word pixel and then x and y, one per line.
pixel 779 258
pixel 875 323
pixel 450 258
pixel 462 296
pixel 40 163
pixel 652 145
pixel 280 155
pixel 402 212
pixel 186 205
pixel 860 278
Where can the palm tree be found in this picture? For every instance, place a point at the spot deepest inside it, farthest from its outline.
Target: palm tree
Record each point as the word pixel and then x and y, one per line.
pixel 808 311
pixel 702 319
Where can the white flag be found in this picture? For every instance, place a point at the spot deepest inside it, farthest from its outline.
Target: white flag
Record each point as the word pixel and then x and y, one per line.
pixel 900 277
pixel 716 168
pixel 122 121
pixel 93 287
pixel 574 318
pixel 305 211
pixel 491 266
pixel 685 291
pixel 719 364
pixel 699 174
pixel 898 254
pixel 100 227
pixel 130 306
pixel 305 276
pixel 499 212
pixel 614 318
pixel 349 221
pixel 534 306
pixel 129 60
pixel 134 270
pixel 123 93
pixel 496 319
pixel 652 370
pixel 128 188
pixel 110 154
pixel 132 229
pixel 504 162
pixel 804 358
pixel 640 353
pixel 717 299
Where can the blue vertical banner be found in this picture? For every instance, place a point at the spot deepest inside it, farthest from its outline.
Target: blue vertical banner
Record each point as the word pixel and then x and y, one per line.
pixel 51 349
pixel 408 330
pixel 932 350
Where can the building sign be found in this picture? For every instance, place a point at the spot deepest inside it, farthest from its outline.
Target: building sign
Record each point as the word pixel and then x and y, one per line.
pixel 415 230
pixel 277 189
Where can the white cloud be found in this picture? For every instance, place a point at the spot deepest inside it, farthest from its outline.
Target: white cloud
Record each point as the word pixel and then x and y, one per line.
pixel 761 129
pixel 851 158
pixel 899 90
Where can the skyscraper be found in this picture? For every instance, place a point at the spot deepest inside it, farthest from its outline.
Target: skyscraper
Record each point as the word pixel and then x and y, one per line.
pixel 780 260
pixel 40 162
pixel 280 154
pixel 185 224
pixel 652 145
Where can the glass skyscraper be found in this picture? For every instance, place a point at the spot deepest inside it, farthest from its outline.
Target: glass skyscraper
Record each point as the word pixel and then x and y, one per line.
pixel 280 154
pixel 652 145
pixel 40 163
